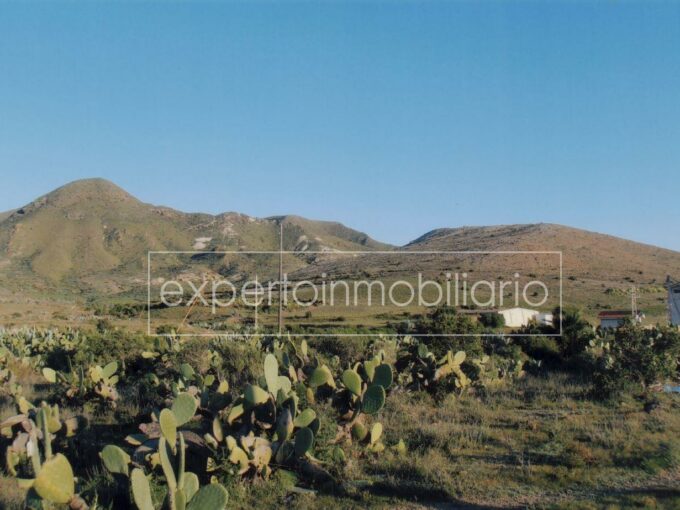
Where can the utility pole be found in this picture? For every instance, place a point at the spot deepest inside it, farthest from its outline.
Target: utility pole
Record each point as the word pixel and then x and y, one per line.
pixel 668 284
pixel 256 302
pixel 280 277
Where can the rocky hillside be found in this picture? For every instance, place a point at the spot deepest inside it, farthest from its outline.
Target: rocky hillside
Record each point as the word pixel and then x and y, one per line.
pixel 93 235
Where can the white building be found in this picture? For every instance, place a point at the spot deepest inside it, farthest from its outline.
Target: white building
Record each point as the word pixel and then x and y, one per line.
pixel 613 319
pixel 519 317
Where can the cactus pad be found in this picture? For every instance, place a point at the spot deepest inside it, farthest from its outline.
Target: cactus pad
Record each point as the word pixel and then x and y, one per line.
pixel 141 492
pixel 304 439
pixel 55 482
pixel 271 373
pixel 210 497
pixel 168 424
pixel 374 399
pixel 254 395
pixel 352 381
pixel 184 408
pixel 115 459
pixel 383 375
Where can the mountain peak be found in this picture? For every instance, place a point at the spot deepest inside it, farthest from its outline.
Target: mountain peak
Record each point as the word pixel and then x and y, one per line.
pixel 84 189
pixel 84 194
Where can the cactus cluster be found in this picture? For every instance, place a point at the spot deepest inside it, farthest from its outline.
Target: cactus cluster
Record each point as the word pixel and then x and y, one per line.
pixel 449 365
pixel 205 430
pixel 19 429
pixel 265 424
pixel 80 383
pixel 418 368
pixel 164 349
pixel 167 448
pixel 48 478
pixel 211 392
pixel 365 385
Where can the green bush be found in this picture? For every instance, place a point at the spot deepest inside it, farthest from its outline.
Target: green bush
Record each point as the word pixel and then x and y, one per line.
pixel 492 320
pixel 444 320
pixel 349 349
pixel 241 360
pixel 539 347
pixel 637 357
pixel 576 333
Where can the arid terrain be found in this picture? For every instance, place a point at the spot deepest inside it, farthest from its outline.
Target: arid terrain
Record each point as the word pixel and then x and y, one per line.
pixel 86 244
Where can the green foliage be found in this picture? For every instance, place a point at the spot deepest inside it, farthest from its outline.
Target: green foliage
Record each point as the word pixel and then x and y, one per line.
pixel 577 333
pixel 492 320
pixel 210 497
pixel 637 356
pixel 541 348
pixel 234 411
pixel 444 320
pixel 141 491
pixel 183 408
pixel 115 459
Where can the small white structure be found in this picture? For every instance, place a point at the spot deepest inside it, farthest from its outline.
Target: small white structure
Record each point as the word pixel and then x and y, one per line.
pixel 615 318
pixel 519 317
pixel 545 319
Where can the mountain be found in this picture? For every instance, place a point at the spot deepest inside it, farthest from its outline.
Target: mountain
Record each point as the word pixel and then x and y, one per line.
pixel 5 215
pixel 598 270
pixel 586 255
pixel 91 234
pixel 91 237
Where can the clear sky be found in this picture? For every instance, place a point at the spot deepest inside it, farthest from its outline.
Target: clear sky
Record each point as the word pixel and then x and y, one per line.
pixel 392 117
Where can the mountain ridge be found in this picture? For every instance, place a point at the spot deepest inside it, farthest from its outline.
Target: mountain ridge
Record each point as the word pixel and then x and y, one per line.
pixel 93 227
pixel 91 237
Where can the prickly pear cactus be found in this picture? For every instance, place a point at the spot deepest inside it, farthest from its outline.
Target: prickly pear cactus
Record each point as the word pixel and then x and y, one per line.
pixel 304 440
pixel 55 482
pixel 209 497
pixel 184 407
pixel 141 491
pixel 352 381
pixel 115 459
pixel 373 399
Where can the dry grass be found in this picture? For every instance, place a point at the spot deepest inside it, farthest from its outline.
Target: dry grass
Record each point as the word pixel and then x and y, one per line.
pixel 538 444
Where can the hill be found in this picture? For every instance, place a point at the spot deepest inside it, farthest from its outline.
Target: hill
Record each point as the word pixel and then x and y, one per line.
pixel 90 238
pixel 91 235
pixel 587 255
pixel 598 270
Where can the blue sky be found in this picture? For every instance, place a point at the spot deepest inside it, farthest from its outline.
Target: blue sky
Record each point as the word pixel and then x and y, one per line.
pixel 392 117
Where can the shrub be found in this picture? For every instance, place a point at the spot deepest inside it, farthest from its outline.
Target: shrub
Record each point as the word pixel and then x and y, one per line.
pixel 638 356
pixel 349 349
pixel 444 320
pixel 103 325
pixel 241 360
pixel 492 320
pixel 539 347
pixel 576 333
